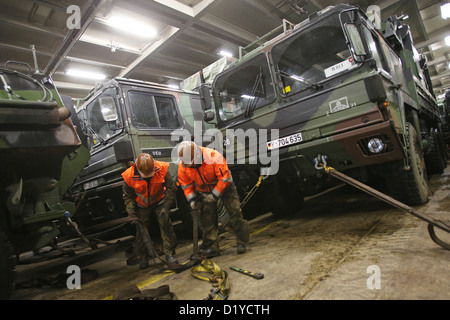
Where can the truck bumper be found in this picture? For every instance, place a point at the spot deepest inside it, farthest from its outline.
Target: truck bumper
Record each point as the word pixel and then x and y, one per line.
pixel 346 150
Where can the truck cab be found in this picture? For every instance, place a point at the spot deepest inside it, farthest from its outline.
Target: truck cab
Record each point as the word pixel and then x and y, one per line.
pixel 334 87
pixel 121 119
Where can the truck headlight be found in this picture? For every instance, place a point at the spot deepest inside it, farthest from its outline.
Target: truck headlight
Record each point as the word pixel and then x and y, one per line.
pixel 375 145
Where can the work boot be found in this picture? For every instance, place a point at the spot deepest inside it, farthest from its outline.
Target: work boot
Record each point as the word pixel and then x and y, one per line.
pixel 209 253
pixel 143 263
pixel 241 248
pixel 170 258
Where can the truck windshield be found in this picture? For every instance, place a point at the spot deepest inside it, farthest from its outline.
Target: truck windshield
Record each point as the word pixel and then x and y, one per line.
pixel 244 88
pixel 312 55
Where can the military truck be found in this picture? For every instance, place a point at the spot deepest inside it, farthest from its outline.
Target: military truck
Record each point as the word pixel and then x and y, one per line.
pixel 40 156
pixel 444 106
pixel 340 91
pixel 121 119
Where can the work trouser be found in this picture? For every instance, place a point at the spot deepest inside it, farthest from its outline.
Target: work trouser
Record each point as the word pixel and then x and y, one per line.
pixel 165 226
pixel 209 219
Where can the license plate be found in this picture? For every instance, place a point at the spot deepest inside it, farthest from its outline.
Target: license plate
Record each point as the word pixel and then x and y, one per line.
pixel 91 184
pixel 285 141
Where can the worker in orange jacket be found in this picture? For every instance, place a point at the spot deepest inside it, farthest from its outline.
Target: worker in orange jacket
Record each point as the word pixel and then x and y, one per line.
pixel 148 186
pixel 204 176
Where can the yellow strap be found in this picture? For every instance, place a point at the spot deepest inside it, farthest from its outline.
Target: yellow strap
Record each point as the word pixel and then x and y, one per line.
pixel 208 270
pixel 252 191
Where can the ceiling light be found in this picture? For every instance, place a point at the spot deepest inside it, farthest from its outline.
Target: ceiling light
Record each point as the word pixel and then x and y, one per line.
pixel 85 74
pixel 225 54
pixel 133 26
pixel 447 40
pixel 445 10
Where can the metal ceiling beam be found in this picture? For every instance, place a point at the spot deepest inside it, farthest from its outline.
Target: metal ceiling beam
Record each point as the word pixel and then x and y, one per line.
pixel 29 26
pixel 171 33
pixel 384 4
pixel 72 36
pixel 69 58
pixel 231 30
pixel 72 86
pixel 104 43
pixel 187 10
pixel 157 45
pixel 269 15
pixel 443 59
pixel 440 76
pixel 436 36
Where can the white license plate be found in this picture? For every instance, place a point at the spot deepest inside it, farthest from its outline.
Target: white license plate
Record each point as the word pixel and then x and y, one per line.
pixel 285 141
pixel 91 184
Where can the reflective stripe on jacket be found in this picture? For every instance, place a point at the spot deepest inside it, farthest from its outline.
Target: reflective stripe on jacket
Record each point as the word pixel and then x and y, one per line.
pixel 213 176
pixel 147 193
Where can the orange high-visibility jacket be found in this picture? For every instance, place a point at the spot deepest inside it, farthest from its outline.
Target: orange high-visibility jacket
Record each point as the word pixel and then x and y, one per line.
pixel 147 193
pixel 213 176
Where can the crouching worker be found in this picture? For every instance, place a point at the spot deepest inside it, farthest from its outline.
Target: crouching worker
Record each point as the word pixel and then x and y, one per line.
pixel 204 176
pixel 149 187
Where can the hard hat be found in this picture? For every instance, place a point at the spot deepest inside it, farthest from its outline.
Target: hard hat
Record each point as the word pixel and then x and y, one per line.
pixel 146 165
pixel 187 152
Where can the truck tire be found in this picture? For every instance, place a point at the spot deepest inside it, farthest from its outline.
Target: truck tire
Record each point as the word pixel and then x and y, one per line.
pixel 7 264
pixel 435 159
pixel 410 186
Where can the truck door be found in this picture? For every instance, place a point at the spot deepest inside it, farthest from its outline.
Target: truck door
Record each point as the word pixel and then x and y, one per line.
pixel 153 118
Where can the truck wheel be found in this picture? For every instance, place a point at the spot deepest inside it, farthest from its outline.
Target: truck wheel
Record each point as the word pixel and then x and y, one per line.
pixel 410 186
pixel 435 159
pixel 7 263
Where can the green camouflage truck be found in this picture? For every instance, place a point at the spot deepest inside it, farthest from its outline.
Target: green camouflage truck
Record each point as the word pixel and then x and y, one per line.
pixel 339 90
pixel 121 119
pixel 444 106
pixel 40 156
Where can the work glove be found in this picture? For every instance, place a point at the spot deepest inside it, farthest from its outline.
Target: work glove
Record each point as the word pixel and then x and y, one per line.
pixel 209 198
pixel 194 204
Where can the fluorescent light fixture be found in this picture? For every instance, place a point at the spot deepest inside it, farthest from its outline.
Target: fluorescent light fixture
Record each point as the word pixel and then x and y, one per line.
pixel 447 41
pixel 246 96
pixel 173 86
pixel 132 26
pixel 445 10
pixel 225 53
pixel 85 74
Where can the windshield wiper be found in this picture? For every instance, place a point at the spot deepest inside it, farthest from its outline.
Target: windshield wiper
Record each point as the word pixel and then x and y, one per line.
pixel 253 98
pixel 308 83
pixel 92 131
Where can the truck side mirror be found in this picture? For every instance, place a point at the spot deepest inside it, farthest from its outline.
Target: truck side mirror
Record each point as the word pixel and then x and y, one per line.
pixel 108 108
pixel 355 41
pixel 208 116
pixel 205 96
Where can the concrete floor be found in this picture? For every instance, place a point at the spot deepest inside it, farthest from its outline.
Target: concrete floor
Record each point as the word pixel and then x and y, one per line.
pixel 332 250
